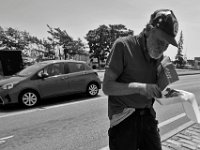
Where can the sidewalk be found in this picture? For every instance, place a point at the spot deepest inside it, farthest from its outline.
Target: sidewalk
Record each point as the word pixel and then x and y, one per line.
pixel 187 139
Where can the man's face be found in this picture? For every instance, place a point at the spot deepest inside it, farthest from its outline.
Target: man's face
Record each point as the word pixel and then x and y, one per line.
pixel 156 45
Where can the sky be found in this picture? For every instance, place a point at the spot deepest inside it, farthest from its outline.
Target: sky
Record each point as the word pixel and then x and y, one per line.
pixel 77 17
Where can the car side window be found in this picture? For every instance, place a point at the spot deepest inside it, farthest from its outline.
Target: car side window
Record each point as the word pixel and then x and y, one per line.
pixel 76 67
pixel 55 69
pixel 87 67
pixel 66 68
pixel 81 67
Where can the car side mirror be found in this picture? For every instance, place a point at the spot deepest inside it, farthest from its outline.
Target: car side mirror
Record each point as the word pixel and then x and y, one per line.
pixel 43 75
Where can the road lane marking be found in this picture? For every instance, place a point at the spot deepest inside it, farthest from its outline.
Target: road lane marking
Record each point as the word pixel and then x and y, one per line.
pixel 60 105
pixel 49 107
pixel 18 113
pixel 3 140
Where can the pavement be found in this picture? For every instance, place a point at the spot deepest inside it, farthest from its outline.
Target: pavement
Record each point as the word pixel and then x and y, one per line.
pixel 185 137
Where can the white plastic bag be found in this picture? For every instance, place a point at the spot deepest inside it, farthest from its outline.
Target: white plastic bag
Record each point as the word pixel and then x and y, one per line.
pixel 188 101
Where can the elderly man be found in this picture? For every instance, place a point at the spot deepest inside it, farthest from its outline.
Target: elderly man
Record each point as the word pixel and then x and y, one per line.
pixel 130 83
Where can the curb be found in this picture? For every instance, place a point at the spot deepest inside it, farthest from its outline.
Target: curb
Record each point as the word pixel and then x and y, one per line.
pixel 183 74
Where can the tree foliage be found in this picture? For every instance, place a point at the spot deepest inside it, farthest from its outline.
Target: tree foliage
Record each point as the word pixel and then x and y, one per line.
pixel 13 39
pixel 61 38
pixel 100 40
pixel 48 49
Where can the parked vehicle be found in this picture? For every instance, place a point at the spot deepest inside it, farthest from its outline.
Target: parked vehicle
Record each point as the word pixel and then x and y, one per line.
pixel 48 79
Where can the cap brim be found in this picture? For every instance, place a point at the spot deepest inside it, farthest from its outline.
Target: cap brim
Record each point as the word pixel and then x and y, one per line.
pixel 170 39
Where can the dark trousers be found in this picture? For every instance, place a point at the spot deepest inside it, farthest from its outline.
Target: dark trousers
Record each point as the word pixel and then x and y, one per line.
pixel 139 131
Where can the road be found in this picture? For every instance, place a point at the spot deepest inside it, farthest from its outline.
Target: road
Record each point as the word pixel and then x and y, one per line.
pixel 76 122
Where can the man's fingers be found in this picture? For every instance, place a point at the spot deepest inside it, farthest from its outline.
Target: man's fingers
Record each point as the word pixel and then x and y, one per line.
pixel 153 91
pixel 157 92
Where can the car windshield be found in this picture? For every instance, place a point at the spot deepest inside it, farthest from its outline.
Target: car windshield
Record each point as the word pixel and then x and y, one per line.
pixel 30 69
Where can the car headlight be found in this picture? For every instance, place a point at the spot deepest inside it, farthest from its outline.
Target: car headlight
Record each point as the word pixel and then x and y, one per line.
pixel 8 86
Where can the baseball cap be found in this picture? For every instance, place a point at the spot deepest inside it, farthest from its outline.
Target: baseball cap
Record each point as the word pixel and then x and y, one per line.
pixel 165 20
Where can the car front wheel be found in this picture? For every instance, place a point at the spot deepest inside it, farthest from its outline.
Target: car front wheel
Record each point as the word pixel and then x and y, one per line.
pixel 92 89
pixel 29 98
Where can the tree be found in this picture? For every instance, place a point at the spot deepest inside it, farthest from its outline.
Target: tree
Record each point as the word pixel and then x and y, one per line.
pixel 100 40
pixel 179 59
pixel 60 38
pixel 14 39
pixel 77 47
pixel 49 52
pixel 117 31
pixel 2 37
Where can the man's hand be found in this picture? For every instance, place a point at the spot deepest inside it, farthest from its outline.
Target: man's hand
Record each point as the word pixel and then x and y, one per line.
pixel 150 90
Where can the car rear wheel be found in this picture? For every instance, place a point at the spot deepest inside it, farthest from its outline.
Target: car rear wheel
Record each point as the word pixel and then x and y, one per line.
pixel 92 89
pixel 29 98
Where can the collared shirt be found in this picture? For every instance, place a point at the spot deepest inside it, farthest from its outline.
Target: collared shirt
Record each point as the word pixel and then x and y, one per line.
pixel 129 59
pixel 117 118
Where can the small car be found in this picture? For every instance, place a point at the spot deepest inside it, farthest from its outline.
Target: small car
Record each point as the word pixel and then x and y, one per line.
pixel 49 79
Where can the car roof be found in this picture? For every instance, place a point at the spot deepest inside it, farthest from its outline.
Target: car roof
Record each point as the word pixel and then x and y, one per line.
pixel 58 61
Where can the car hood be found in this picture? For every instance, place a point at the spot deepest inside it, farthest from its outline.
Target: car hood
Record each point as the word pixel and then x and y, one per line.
pixel 10 79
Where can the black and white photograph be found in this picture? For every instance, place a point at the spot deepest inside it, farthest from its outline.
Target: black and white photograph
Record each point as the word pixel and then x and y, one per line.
pixel 99 75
